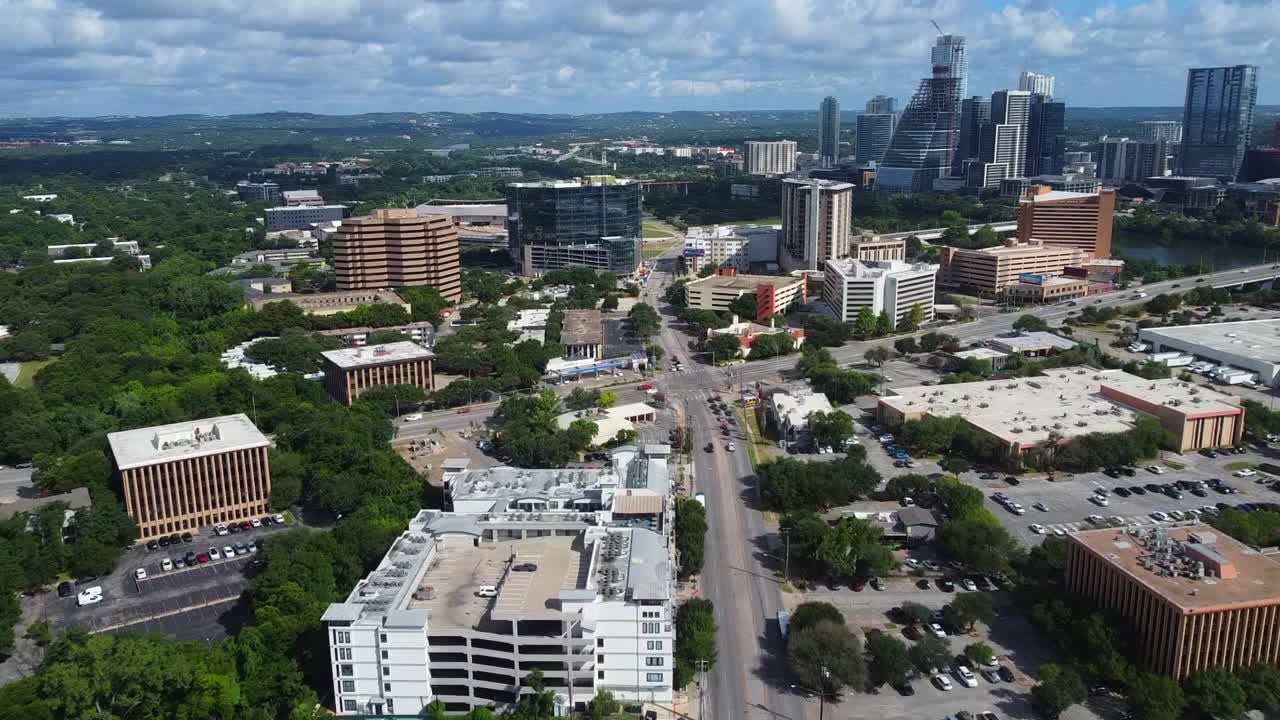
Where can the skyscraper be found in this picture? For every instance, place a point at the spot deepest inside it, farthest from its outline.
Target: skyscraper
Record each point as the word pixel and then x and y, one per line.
pixel 949 51
pixel 1036 83
pixel 1002 143
pixel 881 105
pixel 828 132
pixel 975 112
pixel 872 136
pixel 1046 136
pixel 1120 158
pixel 1218 120
pixel 925 138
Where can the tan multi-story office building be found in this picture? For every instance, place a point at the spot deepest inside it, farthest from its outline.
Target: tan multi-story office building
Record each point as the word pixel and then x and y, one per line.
pixel 993 269
pixel 1041 289
pixel 351 371
pixel 771 157
pixel 774 293
pixel 396 247
pixel 329 303
pixel 193 474
pixel 1068 219
pixel 868 246
pixel 817 220
pixel 1196 598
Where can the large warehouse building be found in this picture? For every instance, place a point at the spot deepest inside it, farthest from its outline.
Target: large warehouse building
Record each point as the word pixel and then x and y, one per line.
pixel 1026 413
pixel 1196 599
pixel 1252 345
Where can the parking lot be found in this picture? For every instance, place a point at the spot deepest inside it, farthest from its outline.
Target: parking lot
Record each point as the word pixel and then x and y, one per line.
pixel 1067 504
pixel 199 602
pixel 1012 637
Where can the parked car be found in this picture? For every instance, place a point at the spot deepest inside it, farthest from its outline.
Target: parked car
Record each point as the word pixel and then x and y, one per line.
pixel 1006 674
pixel 140 574
pixel 65 588
pixel 166 564
pixel 942 682
pixel 89 596
pixel 966 676
pixel 214 554
pixel 936 630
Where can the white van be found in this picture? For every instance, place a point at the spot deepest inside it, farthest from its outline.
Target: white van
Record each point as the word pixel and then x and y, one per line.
pixel 487 591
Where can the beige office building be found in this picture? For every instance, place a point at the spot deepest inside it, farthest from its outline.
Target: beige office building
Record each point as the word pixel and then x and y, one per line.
pixel 351 371
pixel 190 475
pixel 868 247
pixel 993 269
pixel 774 293
pixel 817 220
pixel 1195 598
pixel 396 247
pixel 771 157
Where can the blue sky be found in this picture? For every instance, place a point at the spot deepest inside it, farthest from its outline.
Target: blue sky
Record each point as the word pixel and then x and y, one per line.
pixel 146 57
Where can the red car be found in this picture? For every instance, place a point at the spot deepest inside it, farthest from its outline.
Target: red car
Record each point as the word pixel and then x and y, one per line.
pixel 859 583
pixel 464 410
pixel 646 386
pixel 203 558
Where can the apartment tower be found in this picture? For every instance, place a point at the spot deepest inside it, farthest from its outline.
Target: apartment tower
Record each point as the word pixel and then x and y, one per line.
pixel 1036 83
pixel 924 140
pixel 396 247
pixel 771 157
pixel 872 136
pixel 817 218
pixel 1068 219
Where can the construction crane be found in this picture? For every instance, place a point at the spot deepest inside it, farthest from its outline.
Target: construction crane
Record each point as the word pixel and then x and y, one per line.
pixel 935 27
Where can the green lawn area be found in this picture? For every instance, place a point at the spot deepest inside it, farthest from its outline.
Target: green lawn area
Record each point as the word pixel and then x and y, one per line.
pixel 656 231
pixel 1232 467
pixel 775 220
pixel 27 372
pixel 654 249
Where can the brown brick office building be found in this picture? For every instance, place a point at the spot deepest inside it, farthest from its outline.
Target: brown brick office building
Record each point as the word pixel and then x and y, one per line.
pixel 1068 219
pixel 1195 598
pixel 351 371
pixel 194 474
pixel 395 248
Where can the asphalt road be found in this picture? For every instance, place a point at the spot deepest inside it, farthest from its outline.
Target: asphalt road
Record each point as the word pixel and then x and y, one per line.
pixel 14 484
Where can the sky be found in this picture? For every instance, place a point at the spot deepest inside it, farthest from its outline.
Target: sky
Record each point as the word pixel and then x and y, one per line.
pixel 154 57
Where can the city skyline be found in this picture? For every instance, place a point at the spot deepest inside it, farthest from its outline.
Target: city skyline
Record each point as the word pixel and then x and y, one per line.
pixel 92 57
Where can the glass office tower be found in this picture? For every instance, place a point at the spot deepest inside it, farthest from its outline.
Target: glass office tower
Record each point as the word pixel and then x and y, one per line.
pixel 592 222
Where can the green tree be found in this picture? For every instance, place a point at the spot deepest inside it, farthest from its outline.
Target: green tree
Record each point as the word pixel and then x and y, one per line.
pixel 930 654
pixel 826 657
pixel 722 348
pixel 695 639
pixel 607 399
pixel 854 547
pixel 915 613
pixel 914 486
pixel 691 530
pixel 887 657
pixel 644 319
pixel 603 705
pixel 864 323
pixel 878 355
pixel 1262 686
pixel 1216 695
pixel 1155 697
pixel 744 306
pixel 906 345
pixel 914 318
pixel 884 324
pixel 581 398
pixel 1030 323
pixel 1059 688
pixel 980 653
pixel 830 428
pixel 813 612
pixel 969 608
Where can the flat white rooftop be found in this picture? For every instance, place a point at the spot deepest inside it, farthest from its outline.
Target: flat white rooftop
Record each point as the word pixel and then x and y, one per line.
pixel 1053 195
pixel 184 440
pixel 402 351
pixel 1257 340
pixel 1032 341
pixel 794 408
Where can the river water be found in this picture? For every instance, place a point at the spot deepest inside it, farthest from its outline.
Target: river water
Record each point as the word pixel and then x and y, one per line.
pixel 1222 257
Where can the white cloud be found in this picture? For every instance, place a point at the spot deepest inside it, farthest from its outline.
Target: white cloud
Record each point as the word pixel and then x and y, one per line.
pixel 219 56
